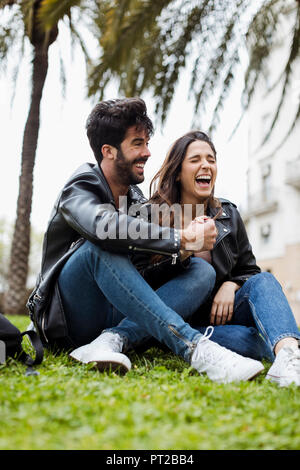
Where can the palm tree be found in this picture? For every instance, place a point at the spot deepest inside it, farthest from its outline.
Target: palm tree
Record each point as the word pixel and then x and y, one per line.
pixel 159 38
pixel 35 21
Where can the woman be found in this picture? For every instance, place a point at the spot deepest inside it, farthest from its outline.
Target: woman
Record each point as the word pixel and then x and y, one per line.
pixel 246 305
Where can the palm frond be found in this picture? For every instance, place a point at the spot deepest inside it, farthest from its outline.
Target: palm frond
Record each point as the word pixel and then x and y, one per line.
pixel 178 29
pixel 290 129
pixel 4 3
pixel 12 44
pixel 51 11
pixel 62 74
pixel 229 77
pixel 127 22
pixel 176 50
pixel 260 40
pixel 77 39
pixel 11 35
pixel 293 55
pixel 213 72
pixel 27 9
pixel 122 54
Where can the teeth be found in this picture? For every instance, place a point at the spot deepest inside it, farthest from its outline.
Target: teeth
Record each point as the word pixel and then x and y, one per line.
pixel 203 177
pixel 140 165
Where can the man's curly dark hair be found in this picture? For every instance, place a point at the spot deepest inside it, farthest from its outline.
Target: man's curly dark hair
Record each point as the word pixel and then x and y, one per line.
pixel 109 121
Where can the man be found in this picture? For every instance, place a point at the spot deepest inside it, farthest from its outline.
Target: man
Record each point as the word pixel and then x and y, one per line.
pixel 89 296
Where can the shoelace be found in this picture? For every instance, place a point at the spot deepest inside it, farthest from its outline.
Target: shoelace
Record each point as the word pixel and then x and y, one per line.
pixel 113 340
pixel 207 334
pixel 214 352
pixel 202 353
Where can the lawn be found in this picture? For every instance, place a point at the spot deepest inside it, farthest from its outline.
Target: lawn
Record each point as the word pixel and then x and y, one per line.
pixel 160 404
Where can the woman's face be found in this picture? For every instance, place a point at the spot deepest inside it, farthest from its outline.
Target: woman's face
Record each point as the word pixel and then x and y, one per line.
pixel 198 173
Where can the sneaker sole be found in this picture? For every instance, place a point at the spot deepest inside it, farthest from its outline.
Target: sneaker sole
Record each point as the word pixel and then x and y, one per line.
pixel 273 378
pixel 115 362
pixel 250 375
pixel 109 366
pixel 255 372
pixel 282 381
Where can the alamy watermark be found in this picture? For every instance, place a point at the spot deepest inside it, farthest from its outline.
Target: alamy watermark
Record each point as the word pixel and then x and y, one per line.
pixel 147 221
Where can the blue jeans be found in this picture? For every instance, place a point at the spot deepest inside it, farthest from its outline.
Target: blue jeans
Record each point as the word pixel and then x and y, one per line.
pixel 103 290
pixel 261 310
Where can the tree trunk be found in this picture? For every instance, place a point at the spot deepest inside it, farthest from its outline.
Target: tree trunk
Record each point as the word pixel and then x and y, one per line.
pixel 18 268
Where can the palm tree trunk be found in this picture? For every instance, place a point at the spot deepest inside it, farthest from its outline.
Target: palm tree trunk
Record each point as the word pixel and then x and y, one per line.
pixel 18 268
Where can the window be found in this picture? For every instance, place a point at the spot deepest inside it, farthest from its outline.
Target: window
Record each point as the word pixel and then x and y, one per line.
pixel 265 233
pixel 266 181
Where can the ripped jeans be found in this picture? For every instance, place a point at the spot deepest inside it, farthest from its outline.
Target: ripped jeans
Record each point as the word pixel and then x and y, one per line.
pixel 101 290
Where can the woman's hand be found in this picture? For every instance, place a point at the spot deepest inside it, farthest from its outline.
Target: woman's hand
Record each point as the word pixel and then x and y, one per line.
pixel 222 307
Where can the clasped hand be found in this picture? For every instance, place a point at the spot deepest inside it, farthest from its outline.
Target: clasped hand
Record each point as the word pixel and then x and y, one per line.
pixel 200 235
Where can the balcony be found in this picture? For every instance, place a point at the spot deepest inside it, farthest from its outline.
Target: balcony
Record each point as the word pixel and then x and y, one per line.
pixel 292 173
pixel 260 203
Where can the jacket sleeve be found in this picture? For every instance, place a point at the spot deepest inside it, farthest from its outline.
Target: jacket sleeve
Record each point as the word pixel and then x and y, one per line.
pixel 83 209
pixel 246 263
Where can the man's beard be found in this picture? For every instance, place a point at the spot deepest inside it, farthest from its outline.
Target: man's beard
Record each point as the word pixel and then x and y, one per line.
pixel 125 171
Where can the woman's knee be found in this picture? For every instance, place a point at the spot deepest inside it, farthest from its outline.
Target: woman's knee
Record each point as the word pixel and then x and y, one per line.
pixel 205 271
pixel 264 279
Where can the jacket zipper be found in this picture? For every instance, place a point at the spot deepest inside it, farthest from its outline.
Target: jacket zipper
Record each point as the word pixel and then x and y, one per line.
pixel 37 296
pixel 43 328
pixel 174 255
pixel 174 258
pixel 75 242
pixel 227 252
pixel 191 345
pixel 155 265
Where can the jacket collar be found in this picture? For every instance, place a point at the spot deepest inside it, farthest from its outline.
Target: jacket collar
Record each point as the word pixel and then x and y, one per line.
pixel 212 211
pixel 222 228
pixel 134 194
pixel 99 172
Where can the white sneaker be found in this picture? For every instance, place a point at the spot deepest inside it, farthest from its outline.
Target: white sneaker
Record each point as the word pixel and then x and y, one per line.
pixel 222 365
pixel 285 370
pixel 105 351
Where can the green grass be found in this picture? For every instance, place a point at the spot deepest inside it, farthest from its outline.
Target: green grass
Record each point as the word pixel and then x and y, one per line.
pixel 160 404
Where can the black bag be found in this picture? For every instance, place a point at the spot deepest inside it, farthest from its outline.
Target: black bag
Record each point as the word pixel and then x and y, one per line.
pixel 11 344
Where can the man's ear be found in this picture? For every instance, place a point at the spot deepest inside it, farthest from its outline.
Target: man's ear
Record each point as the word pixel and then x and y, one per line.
pixel 108 151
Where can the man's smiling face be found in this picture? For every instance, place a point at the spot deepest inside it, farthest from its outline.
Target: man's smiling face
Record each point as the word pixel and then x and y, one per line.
pixel 132 156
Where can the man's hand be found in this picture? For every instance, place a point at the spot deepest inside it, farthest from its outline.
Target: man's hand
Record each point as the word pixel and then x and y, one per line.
pixel 200 235
pixel 222 307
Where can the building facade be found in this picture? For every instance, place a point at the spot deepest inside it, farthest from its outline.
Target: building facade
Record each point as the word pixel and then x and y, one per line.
pixel 272 212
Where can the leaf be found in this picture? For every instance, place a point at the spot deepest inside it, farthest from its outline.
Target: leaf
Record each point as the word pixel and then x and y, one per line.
pixel 51 11
pixel 147 45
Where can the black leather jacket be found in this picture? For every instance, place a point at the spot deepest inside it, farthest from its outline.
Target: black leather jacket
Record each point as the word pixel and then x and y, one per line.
pixel 232 255
pixel 84 208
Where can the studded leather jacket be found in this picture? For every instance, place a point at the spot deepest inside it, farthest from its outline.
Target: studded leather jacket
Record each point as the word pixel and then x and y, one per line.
pixel 232 255
pixel 85 210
